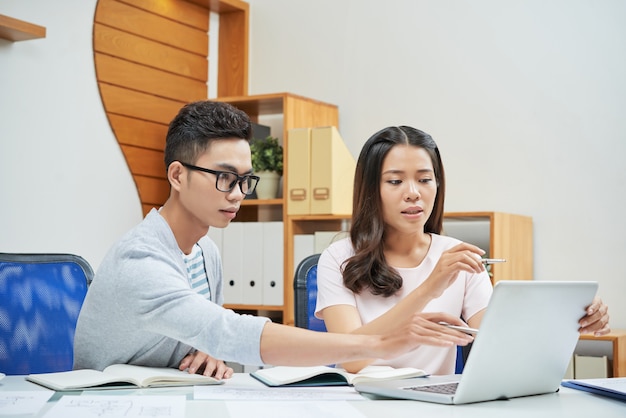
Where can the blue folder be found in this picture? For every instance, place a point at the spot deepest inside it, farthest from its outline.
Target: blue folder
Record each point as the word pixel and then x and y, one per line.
pixel 611 387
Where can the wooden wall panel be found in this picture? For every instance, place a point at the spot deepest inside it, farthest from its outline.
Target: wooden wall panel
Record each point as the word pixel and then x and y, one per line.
pixel 181 11
pixel 139 133
pixel 151 59
pixel 233 54
pixel 127 74
pixel 145 162
pixel 222 6
pixel 147 207
pixel 147 52
pixel 133 20
pixel 138 105
pixel 155 191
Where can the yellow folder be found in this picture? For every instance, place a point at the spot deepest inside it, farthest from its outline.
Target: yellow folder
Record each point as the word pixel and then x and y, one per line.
pixel 332 173
pixel 298 171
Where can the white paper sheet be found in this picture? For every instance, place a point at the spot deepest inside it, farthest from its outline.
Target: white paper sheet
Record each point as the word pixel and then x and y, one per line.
pixel 23 402
pixel 327 393
pixel 614 383
pixel 118 406
pixel 306 409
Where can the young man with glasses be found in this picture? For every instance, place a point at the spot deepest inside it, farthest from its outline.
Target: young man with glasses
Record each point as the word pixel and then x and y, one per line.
pixel 155 299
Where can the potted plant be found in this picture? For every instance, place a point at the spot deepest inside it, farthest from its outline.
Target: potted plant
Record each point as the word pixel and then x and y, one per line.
pixel 267 163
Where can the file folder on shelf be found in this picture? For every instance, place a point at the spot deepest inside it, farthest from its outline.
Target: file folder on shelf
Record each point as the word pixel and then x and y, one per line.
pixel 324 238
pixel 216 236
pixel 591 367
pixel 273 255
pixel 303 246
pixel 232 247
pixel 332 173
pixel 252 266
pixel 299 171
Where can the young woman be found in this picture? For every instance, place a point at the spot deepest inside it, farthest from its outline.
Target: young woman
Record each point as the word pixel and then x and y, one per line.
pixel 395 262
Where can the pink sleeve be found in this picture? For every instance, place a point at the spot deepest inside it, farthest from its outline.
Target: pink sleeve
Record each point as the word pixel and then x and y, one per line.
pixel 330 288
pixel 478 289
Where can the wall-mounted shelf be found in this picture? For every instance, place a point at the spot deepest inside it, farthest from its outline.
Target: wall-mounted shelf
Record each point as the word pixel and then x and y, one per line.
pixel 18 30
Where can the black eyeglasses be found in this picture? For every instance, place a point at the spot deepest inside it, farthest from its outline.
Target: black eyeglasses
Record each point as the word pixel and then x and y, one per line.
pixel 226 180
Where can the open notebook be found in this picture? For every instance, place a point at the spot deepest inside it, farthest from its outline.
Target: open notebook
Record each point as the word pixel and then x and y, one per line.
pixel 523 347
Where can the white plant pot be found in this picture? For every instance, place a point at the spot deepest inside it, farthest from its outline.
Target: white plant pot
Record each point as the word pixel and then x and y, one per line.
pixel 268 184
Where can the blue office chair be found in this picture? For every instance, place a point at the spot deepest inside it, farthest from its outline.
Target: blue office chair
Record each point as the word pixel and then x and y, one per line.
pixel 305 289
pixel 40 299
pixel 462 353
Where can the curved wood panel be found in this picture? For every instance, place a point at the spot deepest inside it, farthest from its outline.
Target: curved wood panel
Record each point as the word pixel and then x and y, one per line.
pixel 151 26
pixel 148 65
pixel 134 48
pixel 150 59
pixel 127 74
pixel 137 132
pixel 184 12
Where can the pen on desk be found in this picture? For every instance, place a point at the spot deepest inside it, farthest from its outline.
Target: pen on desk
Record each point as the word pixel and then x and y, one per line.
pixel 492 260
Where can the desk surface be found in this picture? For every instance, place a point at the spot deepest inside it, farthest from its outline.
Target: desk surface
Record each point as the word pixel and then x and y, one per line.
pixel 568 403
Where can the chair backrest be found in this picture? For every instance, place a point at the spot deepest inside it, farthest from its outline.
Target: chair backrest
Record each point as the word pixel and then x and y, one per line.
pixel 305 289
pixel 40 299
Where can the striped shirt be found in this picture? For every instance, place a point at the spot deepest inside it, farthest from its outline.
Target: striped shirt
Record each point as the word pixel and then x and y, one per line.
pixel 196 273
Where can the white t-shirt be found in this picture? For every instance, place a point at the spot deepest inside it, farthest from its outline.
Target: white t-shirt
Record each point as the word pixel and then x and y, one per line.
pixel 468 295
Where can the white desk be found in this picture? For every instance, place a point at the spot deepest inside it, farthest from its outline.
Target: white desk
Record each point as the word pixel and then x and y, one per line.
pixel 567 403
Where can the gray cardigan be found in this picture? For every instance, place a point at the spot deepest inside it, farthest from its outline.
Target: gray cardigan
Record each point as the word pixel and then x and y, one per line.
pixel 140 308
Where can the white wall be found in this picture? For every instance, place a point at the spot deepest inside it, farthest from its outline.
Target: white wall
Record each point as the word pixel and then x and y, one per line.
pixel 525 98
pixel 64 183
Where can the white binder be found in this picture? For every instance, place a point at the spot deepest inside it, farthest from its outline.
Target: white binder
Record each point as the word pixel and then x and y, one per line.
pixel 252 263
pixel 273 257
pixel 216 235
pixel 324 238
pixel 233 248
pixel 303 246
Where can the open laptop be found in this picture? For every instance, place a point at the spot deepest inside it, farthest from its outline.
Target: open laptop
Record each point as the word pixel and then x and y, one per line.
pixel 524 345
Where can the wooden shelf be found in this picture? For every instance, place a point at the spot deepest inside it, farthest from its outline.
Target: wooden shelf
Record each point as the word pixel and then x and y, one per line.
pixel 617 338
pixel 311 218
pixel 296 112
pixel 18 30
pixel 261 202
pixel 506 235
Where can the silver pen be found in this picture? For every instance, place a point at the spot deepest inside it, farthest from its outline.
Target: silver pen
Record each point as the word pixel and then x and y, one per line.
pixel 467 330
pixel 492 260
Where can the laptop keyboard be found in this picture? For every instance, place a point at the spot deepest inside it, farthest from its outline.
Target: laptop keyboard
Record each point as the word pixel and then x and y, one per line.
pixel 445 388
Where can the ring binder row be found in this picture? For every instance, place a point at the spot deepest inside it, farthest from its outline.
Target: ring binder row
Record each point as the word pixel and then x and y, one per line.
pixel 320 172
pixel 252 257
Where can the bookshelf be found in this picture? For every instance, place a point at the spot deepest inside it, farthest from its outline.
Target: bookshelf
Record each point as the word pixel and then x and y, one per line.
pixel 612 345
pixel 287 111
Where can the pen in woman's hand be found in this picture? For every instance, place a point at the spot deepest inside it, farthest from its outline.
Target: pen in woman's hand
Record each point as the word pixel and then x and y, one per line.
pixel 492 260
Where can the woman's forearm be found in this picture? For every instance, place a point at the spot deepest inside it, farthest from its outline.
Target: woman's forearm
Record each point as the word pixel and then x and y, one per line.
pixel 413 303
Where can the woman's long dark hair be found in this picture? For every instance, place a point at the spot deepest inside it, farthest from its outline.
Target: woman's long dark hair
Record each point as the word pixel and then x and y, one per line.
pixel 368 269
